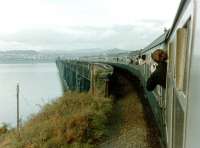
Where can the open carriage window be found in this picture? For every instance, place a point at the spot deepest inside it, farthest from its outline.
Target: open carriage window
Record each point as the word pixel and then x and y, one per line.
pixel 171 57
pixel 181 54
pixel 187 55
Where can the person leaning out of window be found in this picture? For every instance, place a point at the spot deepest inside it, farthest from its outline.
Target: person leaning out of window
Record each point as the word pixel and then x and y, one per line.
pixel 158 77
pixel 142 60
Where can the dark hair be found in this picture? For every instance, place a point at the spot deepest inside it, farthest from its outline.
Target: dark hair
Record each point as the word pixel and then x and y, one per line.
pixel 143 57
pixel 159 55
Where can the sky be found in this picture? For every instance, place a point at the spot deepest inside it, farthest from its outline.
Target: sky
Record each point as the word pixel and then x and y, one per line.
pixel 83 24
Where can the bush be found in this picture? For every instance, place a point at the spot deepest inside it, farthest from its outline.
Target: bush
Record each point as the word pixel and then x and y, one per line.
pixel 3 129
pixel 74 120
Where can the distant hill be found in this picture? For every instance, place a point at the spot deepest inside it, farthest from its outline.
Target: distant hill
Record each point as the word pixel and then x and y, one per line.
pixel 86 52
pixel 115 51
pixel 20 52
pixel 24 56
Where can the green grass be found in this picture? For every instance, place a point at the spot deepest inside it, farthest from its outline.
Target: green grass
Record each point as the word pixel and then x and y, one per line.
pixel 77 120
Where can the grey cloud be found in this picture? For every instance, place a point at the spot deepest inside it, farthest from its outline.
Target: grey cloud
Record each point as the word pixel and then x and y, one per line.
pixel 129 37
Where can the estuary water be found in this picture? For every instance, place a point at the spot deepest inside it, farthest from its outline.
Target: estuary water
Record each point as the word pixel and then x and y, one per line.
pixel 39 84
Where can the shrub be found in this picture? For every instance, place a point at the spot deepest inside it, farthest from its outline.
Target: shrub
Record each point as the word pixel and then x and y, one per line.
pixel 3 129
pixel 74 120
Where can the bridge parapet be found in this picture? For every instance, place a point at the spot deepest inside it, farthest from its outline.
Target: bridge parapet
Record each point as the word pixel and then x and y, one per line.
pixel 84 76
pixel 100 78
pixel 75 75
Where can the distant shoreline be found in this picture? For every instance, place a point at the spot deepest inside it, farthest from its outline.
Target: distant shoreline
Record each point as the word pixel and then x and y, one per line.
pixel 25 62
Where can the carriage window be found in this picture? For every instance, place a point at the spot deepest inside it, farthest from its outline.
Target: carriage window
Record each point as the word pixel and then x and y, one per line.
pixel 187 54
pixel 181 45
pixel 171 57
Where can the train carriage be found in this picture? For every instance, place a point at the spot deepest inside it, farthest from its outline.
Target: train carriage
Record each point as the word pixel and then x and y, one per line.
pixel 179 102
pixel 177 107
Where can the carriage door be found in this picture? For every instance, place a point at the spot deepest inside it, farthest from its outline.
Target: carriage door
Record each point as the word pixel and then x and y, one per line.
pixel 169 92
pixel 180 90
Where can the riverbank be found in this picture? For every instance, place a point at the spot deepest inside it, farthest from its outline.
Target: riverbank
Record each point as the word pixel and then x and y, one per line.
pixel 74 120
pixel 83 120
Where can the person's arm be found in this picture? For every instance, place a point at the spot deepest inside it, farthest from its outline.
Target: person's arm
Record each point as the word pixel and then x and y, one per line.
pixel 152 81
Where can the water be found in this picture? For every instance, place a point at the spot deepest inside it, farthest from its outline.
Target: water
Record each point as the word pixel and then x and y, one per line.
pixel 39 84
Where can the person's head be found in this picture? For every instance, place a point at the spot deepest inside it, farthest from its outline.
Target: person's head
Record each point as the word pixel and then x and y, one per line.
pixel 159 55
pixel 143 57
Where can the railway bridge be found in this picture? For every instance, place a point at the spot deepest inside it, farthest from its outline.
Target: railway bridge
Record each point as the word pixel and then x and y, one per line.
pixel 80 75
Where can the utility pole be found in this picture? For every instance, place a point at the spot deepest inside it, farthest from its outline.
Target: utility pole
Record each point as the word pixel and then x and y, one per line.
pixel 92 79
pixel 18 107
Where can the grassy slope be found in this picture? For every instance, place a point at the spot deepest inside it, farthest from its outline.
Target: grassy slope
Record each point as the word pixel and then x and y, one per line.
pixel 74 120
